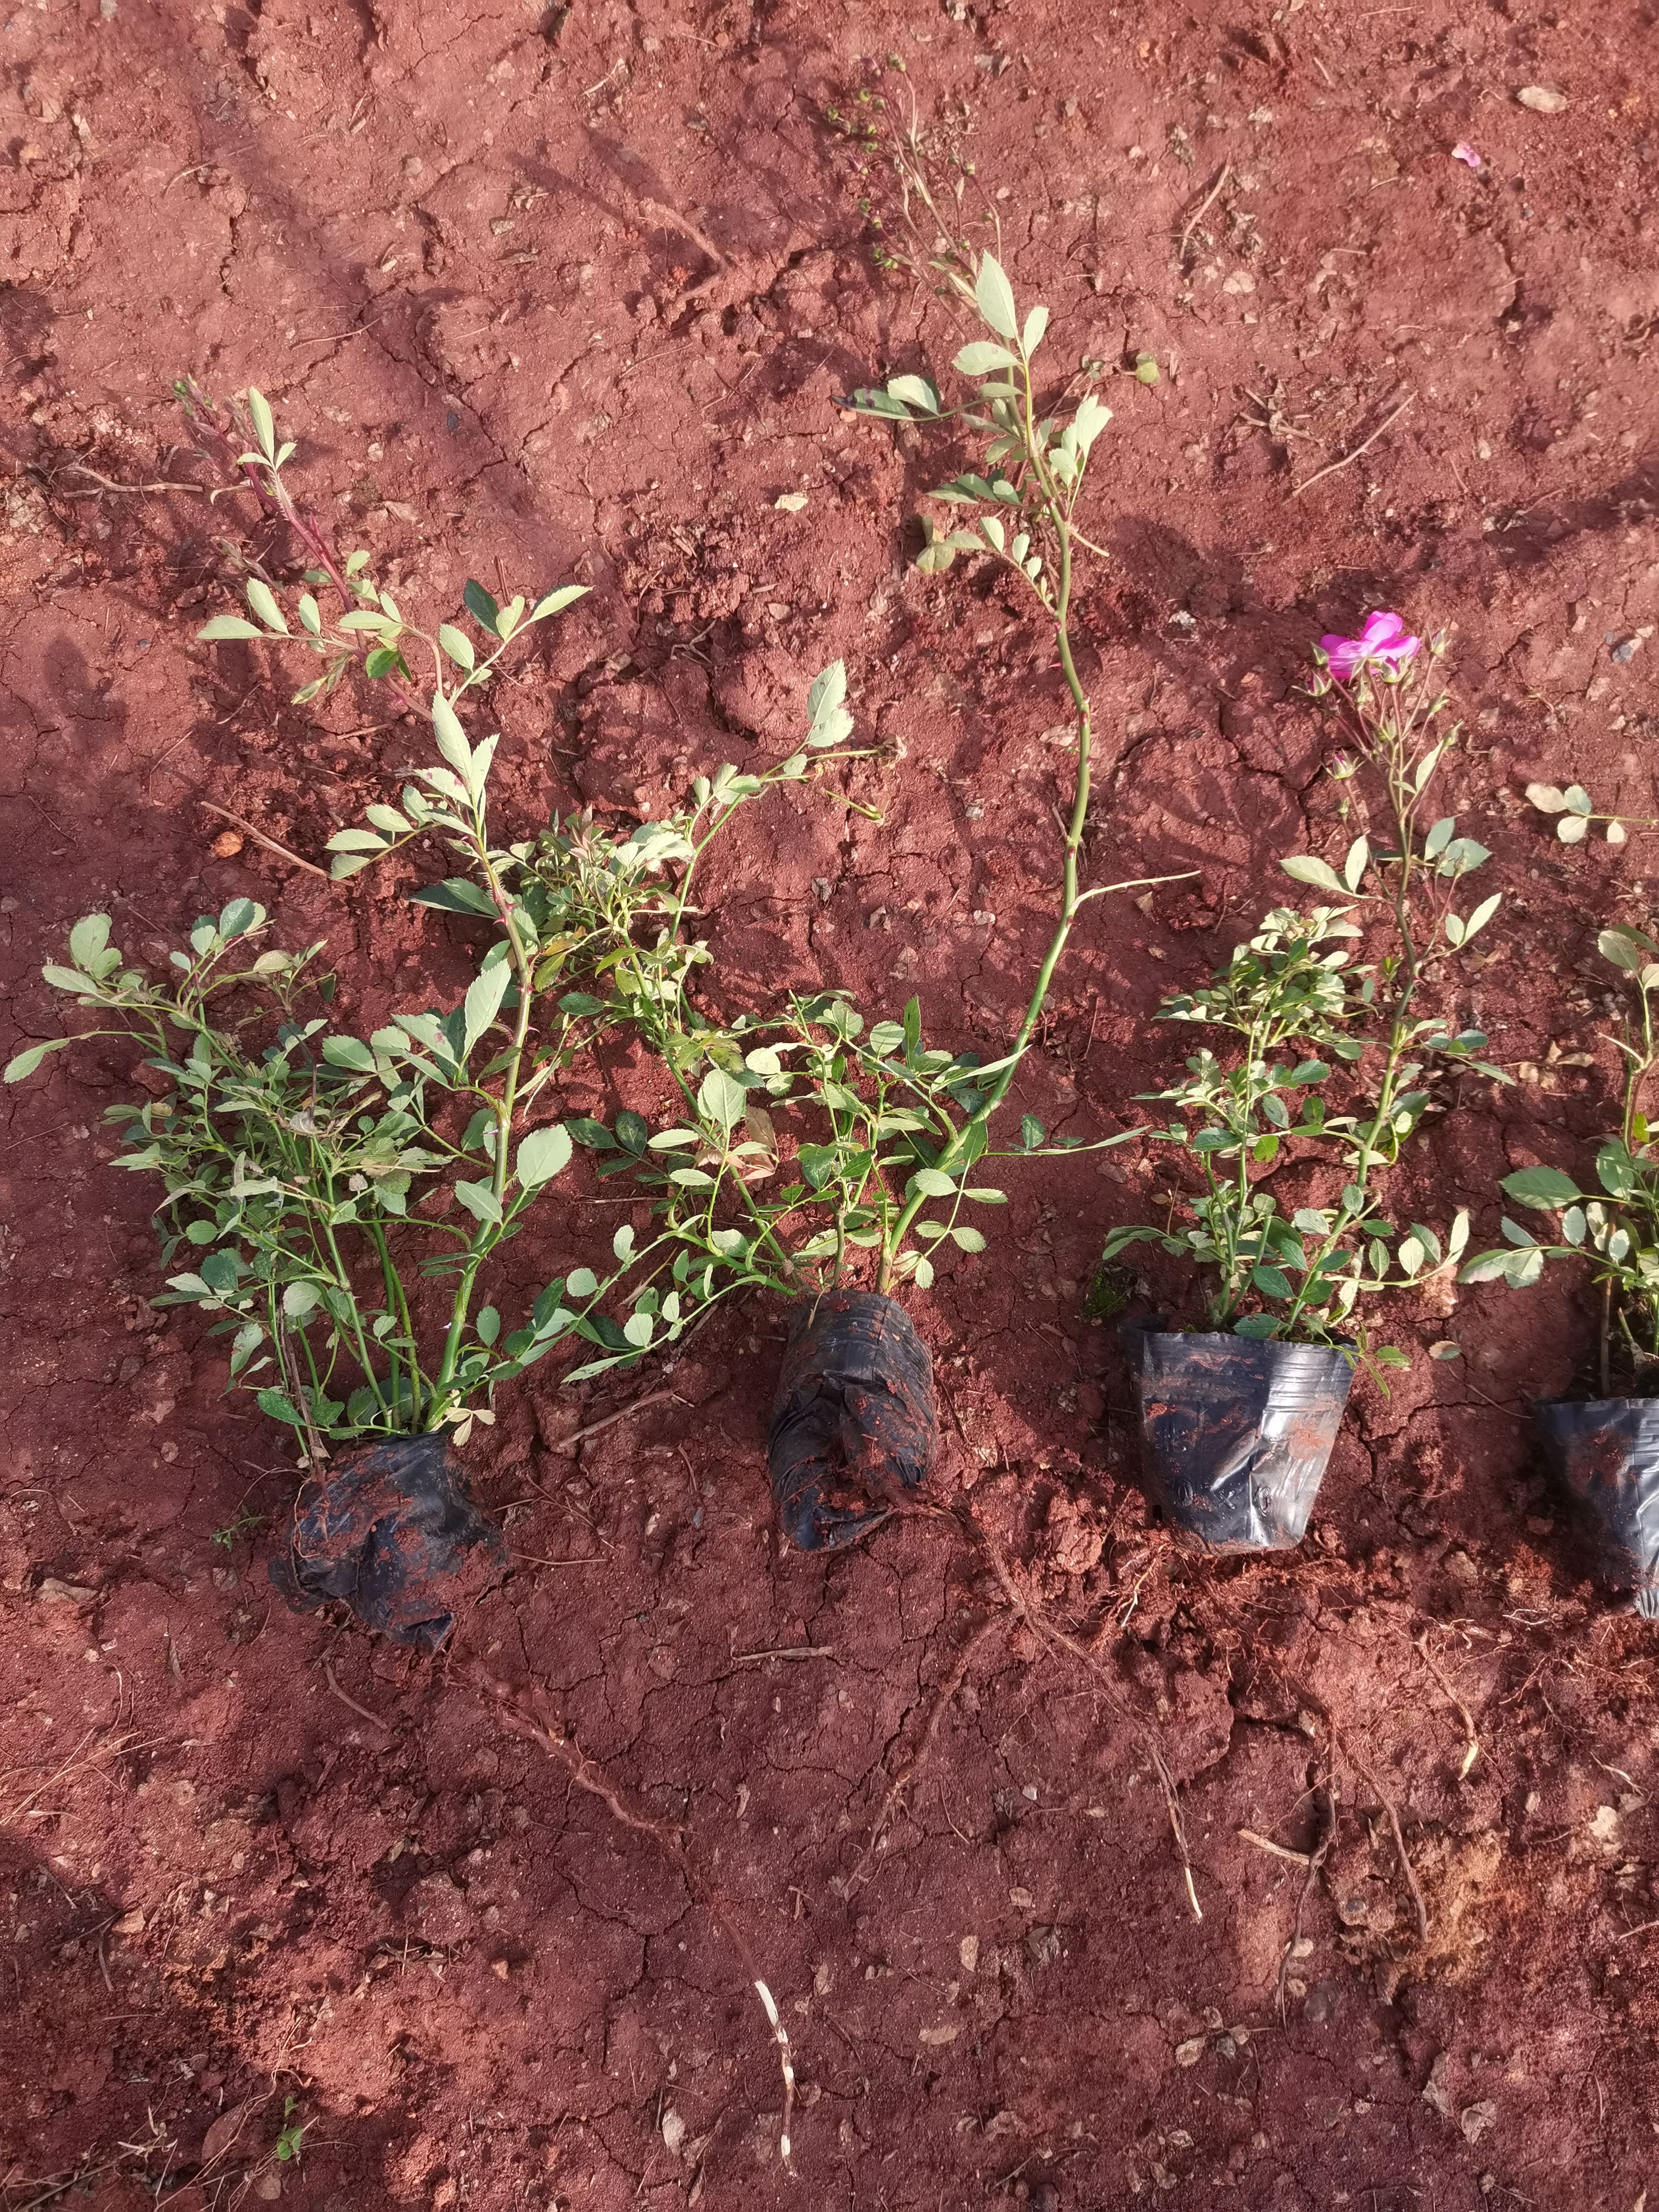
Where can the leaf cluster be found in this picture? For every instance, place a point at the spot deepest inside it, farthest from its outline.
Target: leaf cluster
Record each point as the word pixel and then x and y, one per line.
pixel 1616 1227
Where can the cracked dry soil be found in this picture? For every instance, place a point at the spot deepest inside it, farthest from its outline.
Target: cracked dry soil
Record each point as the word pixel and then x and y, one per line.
pixel 572 292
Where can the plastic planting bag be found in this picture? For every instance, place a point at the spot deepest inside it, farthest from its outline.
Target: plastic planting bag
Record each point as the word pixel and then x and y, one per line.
pixel 854 1424
pixel 1606 1454
pixel 389 1532
pixel 1236 1433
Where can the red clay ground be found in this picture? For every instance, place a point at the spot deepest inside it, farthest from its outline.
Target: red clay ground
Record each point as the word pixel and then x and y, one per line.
pixel 467 252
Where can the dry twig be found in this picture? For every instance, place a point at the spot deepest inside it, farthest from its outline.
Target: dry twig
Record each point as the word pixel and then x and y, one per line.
pixel 1277 1850
pixel 109 484
pixel 637 1405
pixel 1331 467
pixel 1203 209
pixel 362 1711
pixel 786 1651
pixel 1472 1750
pixel 260 838
pixel 1316 1860
pixel 1387 1803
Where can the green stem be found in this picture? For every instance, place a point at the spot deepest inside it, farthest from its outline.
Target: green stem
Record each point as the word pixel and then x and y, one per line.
pixel 1069 900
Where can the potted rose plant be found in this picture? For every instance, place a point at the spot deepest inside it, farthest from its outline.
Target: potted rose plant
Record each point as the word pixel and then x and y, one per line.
pixel 1322 1070
pixel 1604 1450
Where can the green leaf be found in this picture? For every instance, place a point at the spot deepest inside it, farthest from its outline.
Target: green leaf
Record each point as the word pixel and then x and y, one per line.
pixel 450 736
pixel 968 1239
pixel 827 718
pixel 263 600
pixel 1482 914
pixel 27 1061
pixel 458 645
pixel 930 1183
pixel 354 840
pixel 479 604
pixel 993 296
pixel 383 661
pixel 1031 1133
pixel 556 601
pixel 348 1052
pixel 914 391
pixel 581 1282
pixel 922 1274
pixel 225 626
pixel 479 1199
pixel 982 358
pixel 817 1163
pixel 489 1325
pixel 542 1154
pixel 1036 324
pixel 1272 1282
pixel 88 940
pixel 1305 869
pixel 265 428
pixel 721 1097
pixel 1628 949
pixel 483 1002
pixel 1353 868
pixel 1545 1188
pixel 458 895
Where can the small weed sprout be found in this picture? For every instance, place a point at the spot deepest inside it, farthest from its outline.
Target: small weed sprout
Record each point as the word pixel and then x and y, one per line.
pixel 291 2137
pixel 1575 812
pixel 244 1525
pixel 1615 1228
pixel 1299 1008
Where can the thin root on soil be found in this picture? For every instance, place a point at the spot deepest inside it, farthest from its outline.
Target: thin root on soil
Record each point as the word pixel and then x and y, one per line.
pixel 526 1714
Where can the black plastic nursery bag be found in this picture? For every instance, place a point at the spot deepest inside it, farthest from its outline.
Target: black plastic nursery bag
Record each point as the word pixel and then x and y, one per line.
pixel 389 1532
pixel 1606 1453
pixel 854 1424
pixel 1236 1433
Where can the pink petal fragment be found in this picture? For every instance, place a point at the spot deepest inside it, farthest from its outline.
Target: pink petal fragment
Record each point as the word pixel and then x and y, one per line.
pixel 1383 639
pixel 1465 153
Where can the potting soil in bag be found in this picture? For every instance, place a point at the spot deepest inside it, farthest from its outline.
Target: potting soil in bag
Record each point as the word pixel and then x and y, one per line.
pixel 1606 1453
pixel 1236 1431
pixel 854 1424
pixel 389 1532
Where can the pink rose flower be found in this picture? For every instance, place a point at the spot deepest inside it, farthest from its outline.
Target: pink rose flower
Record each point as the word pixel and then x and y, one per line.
pixel 1383 639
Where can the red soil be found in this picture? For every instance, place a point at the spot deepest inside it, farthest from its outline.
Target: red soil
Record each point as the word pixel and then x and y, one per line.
pixel 468 254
